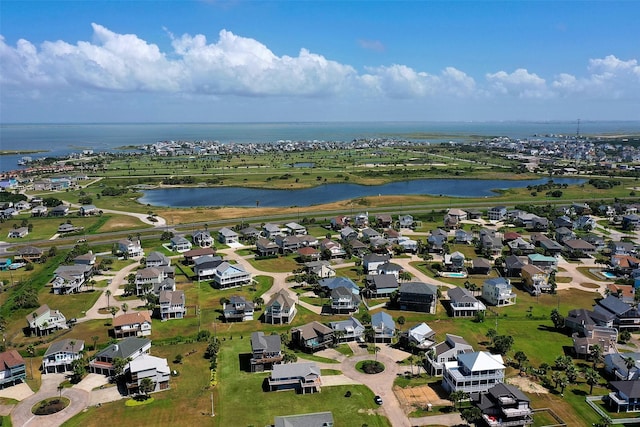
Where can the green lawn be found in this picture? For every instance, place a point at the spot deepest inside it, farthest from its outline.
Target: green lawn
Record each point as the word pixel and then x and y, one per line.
pixel 282 264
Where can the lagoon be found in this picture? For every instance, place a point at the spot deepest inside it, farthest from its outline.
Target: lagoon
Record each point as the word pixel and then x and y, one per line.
pixel 328 193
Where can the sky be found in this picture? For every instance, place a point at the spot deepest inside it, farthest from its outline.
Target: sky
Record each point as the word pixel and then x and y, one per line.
pixel 80 61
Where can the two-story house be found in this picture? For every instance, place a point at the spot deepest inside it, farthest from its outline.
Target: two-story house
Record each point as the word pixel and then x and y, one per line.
pixel 130 347
pixel 157 259
pixel 418 296
pixel 381 285
pixel 281 308
pixel 12 368
pixel 204 267
pixel 462 303
pixel 134 324
pixel 43 321
pixel 180 244
pixel 132 248
pixel 497 213
pixel 147 366
pixel 504 405
pixel 348 330
pixel 203 238
pixel 227 236
pixel 535 280
pixel 371 262
pixel 230 275
pixel 266 350
pixel 295 229
pixel 237 309
pixel 69 279
pixel 473 372
pixel 61 354
pixel 420 336
pixel 446 351
pixel 313 336
pixel 343 300
pixel 302 377
pixel 172 305
pixel 625 396
pixel 147 279
pixel 383 326
pixel 498 291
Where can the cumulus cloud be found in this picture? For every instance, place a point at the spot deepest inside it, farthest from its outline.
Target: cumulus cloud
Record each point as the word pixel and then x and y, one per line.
pixel 241 66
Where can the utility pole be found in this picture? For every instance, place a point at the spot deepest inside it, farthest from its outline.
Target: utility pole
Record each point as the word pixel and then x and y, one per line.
pixel 212 414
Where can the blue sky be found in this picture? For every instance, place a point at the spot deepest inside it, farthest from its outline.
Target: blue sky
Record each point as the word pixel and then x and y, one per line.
pixel 219 61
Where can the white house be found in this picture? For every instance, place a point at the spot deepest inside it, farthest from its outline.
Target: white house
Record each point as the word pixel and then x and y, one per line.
pixel 130 248
pixel 180 244
pixel 229 275
pixel 473 372
pixel 498 291
pixel 227 236
pixel 44 320
pixel 147 366
pixel 61 354
pixel 446 351
pixel 172 305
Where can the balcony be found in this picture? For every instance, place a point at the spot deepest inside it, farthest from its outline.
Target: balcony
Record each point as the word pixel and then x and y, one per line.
pixel 495 422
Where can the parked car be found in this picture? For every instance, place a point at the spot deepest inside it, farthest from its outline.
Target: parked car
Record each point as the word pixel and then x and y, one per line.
pixel 16 265
pixel 378 400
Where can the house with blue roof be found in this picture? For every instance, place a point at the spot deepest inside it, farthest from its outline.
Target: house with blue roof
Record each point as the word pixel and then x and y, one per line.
pixel 332 283
pixel 383 326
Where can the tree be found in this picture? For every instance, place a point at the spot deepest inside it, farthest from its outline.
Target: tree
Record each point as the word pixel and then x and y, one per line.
pixel 472 415
pixel 555 377
pixel 563 384
pixel 125 307
pixel 258 301
pixel 591 376
pixel 108 294
pixel 146 386
pixel 629 363
pixel 113 311
pixel 411 360
pixel 595 352
pixel 521 357
pixel 60 388
pixel 557 319
pixel 78 367
pixel 456 397
pixel 289 357
pixel 562 362
pixel 502 344
pixel 119 364
pixel 95 339
pixel 625 335
pixel 369 334
pixel 572 374
pixel 401 320
pixel 376 350
pixel 491 334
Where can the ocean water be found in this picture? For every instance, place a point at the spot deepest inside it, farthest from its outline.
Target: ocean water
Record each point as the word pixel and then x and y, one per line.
pixel 62 139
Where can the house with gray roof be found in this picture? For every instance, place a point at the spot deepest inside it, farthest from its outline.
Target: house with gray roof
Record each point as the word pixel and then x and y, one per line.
pixel 280 309
pixel 147 366
pixel 615 364
pixel 332 283
pixel 446 351
pixel 131 347
pixel 237 309
pixel 227 236
pixel 383 326
pixel 381 285
pixel 204 267
pixel 295 229
pixel 69 279
pixel 504 405
pixel 313 336
pixel 302 377
pixel 266 247
pixel 473 372
pixel 180 244
pixel 157 259
pixel 44 320
pixel 498 291
pixel 272 230
pixel 626 315
pixel 371 262
pixel 61 354
pixel 348 330
pixel 420 336
pixel 266 350
pixel 418 296
pixel 172 305
pixel 202 238
pixel 228 275
pixel 318 419
pixel 625 396
pixel 344 301
pixel 462 303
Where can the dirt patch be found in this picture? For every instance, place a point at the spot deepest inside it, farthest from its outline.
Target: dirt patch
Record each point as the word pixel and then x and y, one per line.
pixel 525 384
pixel 590 285
pixel 411 398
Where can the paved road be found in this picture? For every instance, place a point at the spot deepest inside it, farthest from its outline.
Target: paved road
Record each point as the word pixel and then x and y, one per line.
pixel 22 416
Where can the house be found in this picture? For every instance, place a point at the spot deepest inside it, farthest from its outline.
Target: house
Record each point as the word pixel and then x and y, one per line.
pixel 203 238
pixel 436 243
pixel 504 405
pixel 419 336
pixel 626 315
pixel 193 254
pixel 86 259
pixel 616 365
pixel 579 246
pixel 497 213
pixel 272 230
pixel 337 282
pixel 418 296
pixel 204 267
pixel 29 254
pixel 334 249
pixel 288 244
pixel 147 366
pixel 338 222
pixel 133 324
pixel 630 222
pixel 384 220
pixel 361 220
pixel 446 351
pixel 454 261
pixel 550 246
pixel 39 211
pixel 343 300
pixel 172 305
pixel 228 236
pixel 625 396
pixel 60 210
pixel 591 336
pixel 473 372
pixel 130 347
pixel 250 233
pixel 313 336
pixel 157 259
pixel 480 266
pixel 69 279
pixel 18 233
pixel 148 279
pixel 322 269
pixel 407 244
pixel 545 263
pixel 562 221
pixel 43 321
pixel 295 229
pixel 457 214
pixel 61 354
pixel 535 279
pixel 498 291
pixel 462 236
pixel 371 262
pixel 307 253
pixel 462 303
pixel 86 210
pixel 230 275
pixel 307 240
pixel 12 368
pixel 381 285
pixel 622 248
pixel 580 320
pixel 265 351
pixel 238 308
pixel 384 327
pixel 347 234
pixel 317 419
pixel 266 247
pixel 406 221
pixel 584 222
pixel 22 205
pixel 180 244
pixel 347 330
pixel 67 227
pixel 490 242
pixel 302 377
pixel 513 265
pixel 281 308
pixel 521 246
pixel 624 264
pixel 625 293
pixel 130 248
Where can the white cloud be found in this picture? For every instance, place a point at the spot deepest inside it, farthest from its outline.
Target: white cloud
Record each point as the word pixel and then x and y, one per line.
pixel 374 45
pixel 521 83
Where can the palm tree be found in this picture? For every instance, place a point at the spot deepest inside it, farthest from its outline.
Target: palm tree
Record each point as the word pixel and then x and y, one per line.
pixel 125 307
pixel 376 350
pixel 595 352
pixel 411 360
pixel 591 376
pixel 95 339
pixel 32 352
pixel 258 301
pixel 629 363
pixel 108 294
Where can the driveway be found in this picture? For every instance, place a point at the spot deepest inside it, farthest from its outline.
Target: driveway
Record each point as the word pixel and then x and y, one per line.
pixel 18 392
pixel 22 416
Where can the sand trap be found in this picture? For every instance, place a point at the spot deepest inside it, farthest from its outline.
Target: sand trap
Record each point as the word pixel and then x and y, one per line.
pixel 525 384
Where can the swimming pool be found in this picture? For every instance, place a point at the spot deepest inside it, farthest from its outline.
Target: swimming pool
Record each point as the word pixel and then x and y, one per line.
pixel 453 274
pixel 608 275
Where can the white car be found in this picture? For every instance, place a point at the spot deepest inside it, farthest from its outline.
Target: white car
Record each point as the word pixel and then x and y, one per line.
pixel 16 265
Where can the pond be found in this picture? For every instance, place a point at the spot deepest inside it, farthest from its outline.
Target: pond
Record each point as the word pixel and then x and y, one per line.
pixel 328 193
